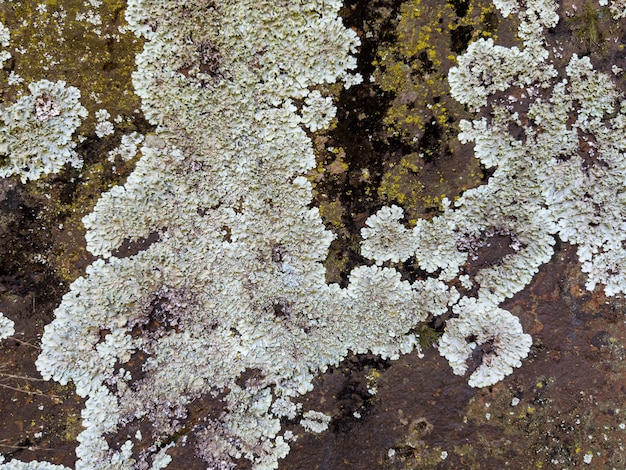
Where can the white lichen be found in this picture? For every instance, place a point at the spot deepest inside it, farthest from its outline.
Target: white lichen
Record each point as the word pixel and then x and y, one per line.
pixel 564 178
pixel 104 127
pixel 33 465
pixel 231 268
pixel 5 40
pixel 224 295
pixel 7 327
pixel 318 111
pixel 315 421
pixel 384 238
pixel 128 148
pixel 487 335
pixel 617 8
pixel 36 131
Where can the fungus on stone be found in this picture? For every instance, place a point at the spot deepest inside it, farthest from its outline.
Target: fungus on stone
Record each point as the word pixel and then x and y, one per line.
pixel 235 283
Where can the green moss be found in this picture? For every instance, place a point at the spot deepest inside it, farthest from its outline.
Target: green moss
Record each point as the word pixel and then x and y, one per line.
pixel 73 427
pixel 428 336
pixel 331 212
pixel 401 183
pixel 420 186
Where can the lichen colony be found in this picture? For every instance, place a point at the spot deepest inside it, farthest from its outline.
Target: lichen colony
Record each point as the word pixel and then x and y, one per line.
pixel 225 294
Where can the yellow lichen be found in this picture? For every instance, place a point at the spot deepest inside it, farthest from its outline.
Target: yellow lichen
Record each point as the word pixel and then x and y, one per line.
pixel 423 115
pixel 331 212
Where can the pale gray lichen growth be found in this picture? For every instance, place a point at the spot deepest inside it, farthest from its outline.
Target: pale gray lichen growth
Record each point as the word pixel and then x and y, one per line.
pixel 557 146
pixel 318 111
pixel 497 331
pixel 33 465
pixel 226 296
pixel 128 148
pixel 487 68
pixel 5 38
pixel 36 131
pixel 104 127
pixel 315 421
pixel 233 278
pixel 617 8
pixel 583 190
pixel 7 327
pixel 384 238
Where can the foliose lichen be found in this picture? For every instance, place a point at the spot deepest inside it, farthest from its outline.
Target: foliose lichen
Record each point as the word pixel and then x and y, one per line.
pixel 225 297
pixel 555 144
pixel 7 327
pixel 230 281
pixel 36 131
